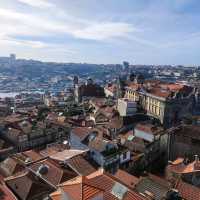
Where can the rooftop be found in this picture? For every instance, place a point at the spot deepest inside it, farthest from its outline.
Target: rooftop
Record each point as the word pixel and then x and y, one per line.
pixel 10 166
pixel 153 186
pixel 27 186
pixel 80 165
pixel 161 89
pixel 128 179
pixel 28 157
pixel 52 172
pixel 81 132
pixel 97 183
pixel 180 167
pixel 188 191
pixel 149 128
pixel 5 193
pixel 66 154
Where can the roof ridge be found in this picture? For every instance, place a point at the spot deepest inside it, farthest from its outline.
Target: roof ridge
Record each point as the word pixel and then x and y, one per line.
pixel 18 175
pixel 131 190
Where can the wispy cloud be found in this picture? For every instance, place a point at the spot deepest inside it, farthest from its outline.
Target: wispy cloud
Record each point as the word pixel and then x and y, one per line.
pixel 28 24
pixel 19 42
pixel 37 3
pixel 105 31
pixel 36 46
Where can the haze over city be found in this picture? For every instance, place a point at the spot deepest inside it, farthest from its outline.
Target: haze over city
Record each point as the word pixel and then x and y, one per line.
pixel 143 32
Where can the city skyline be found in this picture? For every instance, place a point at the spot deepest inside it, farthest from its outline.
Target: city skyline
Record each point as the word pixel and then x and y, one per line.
pixel 144 32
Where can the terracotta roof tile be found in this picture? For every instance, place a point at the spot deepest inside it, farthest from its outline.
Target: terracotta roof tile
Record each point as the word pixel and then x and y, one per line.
pixel 66 154
pixel 78 189
pixel 134 86
pixel 149 128
pixel 107 181
pixel 5 193
pixel 54 173
pixel 80 165
pixel 35 156
pixel 187 191
pixel 28 157
pixel 127 178
pixel 96 183
pixel 182 168
pixel 81 132
pixel 27 186
pixel 159 93
pixel 154 186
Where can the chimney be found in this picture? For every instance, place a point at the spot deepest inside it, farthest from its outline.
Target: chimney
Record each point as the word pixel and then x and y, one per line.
pixel 196 163
pixel 196 158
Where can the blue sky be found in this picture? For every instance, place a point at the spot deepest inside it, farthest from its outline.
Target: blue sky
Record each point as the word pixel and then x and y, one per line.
pixel 102 31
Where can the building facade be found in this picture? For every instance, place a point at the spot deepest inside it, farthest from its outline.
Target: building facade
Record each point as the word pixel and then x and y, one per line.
pixel 169 103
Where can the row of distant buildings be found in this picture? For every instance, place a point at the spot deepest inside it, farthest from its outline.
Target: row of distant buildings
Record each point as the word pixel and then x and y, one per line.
pixel 167 102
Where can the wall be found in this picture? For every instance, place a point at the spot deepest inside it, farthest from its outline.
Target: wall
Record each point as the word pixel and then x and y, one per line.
pixel 146 136
pixel 128 157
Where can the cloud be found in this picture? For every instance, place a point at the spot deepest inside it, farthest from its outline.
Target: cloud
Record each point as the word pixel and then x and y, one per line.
pixel 37 3
pixel 29 24
pixel 17 42
pixel 49 26
pixel 31 47
pixel 103 31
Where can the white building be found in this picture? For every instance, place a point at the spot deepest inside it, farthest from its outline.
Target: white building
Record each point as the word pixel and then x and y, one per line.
pixel 110 90
pixel 126 107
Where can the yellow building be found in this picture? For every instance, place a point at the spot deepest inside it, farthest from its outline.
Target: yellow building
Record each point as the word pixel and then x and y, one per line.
pixel 168 103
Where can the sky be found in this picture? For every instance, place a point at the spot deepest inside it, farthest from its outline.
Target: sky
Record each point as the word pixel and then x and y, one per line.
pixel 102 31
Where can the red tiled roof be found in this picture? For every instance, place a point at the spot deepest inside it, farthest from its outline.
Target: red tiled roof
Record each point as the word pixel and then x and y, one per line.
pixel 5 193
pixel 27 186
pixel 159 92
pixel 78 189
pixel 134 86
pixel 148 128
pixel 106 182
pixel 172 86
pixel 155 186
pixel 163 90
pixel 28 157
pixel 187 191
pixel 81 132
pixel 33 155
pixel 80 165
pixel 127 178
pixel 97 183
pixel 52 149
pixel 55 175
pixel 181 168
